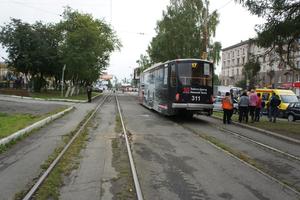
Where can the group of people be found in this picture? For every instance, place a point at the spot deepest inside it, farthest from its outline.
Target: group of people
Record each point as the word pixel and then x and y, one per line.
pixel 249 102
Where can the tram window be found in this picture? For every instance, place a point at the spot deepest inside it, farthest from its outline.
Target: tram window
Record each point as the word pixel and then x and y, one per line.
pixel 166 76
pixel 195 74
pixel 173 75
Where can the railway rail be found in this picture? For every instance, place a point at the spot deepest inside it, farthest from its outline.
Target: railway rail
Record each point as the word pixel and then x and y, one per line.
pixel 42 178
pixel 132 166
pixel 261 144
pixel 288 156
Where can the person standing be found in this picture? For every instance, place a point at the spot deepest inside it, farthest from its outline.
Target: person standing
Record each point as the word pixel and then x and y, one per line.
pixel 273 107
pixel 258 108
pixel 227 106
pixel 89 92
pixel 252 103
pixel 243 107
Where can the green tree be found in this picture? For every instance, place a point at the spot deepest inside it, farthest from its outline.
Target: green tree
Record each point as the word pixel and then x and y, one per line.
pixel 251 69
pixel 143 62
pixel 86 46
pixel 32 49
pixel 184 31
pixel 281 31
pixel 216 80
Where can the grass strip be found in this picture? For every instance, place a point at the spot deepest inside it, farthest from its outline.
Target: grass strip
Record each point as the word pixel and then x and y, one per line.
pixel 12 130
pixel 123 185
pixel 11 123
pixel 57 95
pixel 281 127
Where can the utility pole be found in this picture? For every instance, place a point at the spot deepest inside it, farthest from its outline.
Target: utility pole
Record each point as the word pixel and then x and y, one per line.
pixel 62 79
pixel 206 34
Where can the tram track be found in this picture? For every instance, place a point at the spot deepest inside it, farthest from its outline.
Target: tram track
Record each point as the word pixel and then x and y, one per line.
pixel 261 144
pixel 31 193
pixel 244 158
pixel 132 165
pixel 42 178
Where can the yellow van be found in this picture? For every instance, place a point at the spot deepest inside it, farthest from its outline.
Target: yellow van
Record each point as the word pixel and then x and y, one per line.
pixel 286 97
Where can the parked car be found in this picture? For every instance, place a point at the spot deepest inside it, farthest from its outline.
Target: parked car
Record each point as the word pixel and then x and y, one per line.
pixel 218 104
pixel 293 111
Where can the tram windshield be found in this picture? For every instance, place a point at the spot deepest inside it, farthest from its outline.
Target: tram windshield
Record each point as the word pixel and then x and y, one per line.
pixel 195 73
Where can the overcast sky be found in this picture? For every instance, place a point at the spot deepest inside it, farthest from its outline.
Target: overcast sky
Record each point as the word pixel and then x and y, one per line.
pixel 133 20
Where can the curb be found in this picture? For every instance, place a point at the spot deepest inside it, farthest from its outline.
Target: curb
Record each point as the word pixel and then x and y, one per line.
pixel 36 125
pixel 51 99
pixel 289 139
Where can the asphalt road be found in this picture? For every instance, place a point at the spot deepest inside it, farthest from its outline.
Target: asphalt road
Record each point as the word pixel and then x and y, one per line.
pixel 174 163
pixel 26 106
pixel 21 164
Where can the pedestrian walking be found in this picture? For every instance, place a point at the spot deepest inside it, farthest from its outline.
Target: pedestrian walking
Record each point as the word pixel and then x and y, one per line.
pixel 227 106
pixel 258 108
pixel 273 107
pixel 89 92
pixel 243 107
pixel 252 104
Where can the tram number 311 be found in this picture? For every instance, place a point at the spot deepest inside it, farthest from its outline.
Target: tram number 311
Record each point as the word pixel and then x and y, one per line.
pixel 195 98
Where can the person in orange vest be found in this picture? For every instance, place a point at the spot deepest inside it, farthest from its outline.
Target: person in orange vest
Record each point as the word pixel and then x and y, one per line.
pixel 227 106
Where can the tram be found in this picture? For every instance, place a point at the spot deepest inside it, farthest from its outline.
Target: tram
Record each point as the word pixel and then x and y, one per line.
pixel 178 87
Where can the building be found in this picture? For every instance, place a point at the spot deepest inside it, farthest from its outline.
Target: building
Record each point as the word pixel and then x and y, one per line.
pixel 272 74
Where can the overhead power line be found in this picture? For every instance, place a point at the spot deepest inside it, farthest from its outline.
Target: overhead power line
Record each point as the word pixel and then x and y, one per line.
pixel 223 6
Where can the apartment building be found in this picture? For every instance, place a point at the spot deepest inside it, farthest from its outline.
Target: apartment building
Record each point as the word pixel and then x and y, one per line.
pixel 272 74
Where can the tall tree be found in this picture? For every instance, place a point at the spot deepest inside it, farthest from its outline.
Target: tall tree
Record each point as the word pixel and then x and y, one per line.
pixel 251 69
pixel 32 49
pixel 281 31
pixel 87 45
pixel 143 62
pixel 182 32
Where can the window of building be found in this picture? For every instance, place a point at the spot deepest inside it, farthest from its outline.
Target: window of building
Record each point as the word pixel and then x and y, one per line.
pixel 243 60
pixel 232 72
pixel 232 62
pixel 289 78
pixel 228 55
pixel 243 51
pixel 297 77
pixel 238 61
pixel 224 64
pixel 298 64
pixel 237 71
pixel 233 54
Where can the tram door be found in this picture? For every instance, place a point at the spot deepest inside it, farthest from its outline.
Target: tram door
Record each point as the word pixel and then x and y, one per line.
pixel 173 82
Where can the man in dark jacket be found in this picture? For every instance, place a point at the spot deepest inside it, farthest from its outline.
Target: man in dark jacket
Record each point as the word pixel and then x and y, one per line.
pixel 273 107
pixel 89 92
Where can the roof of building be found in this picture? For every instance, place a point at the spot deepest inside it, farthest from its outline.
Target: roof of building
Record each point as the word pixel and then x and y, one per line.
pixel 236 45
